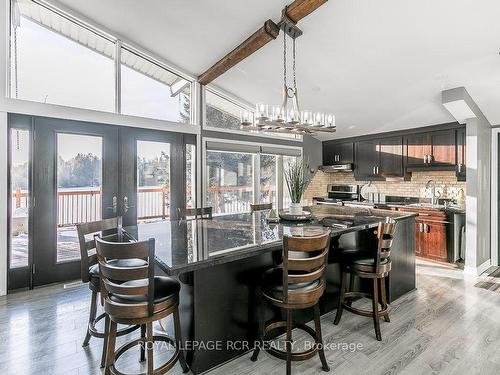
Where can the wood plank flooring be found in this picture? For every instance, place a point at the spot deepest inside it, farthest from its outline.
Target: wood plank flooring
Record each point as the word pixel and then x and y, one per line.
pixel 447 326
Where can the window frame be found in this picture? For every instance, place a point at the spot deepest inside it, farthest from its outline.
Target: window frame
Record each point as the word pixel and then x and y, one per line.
pixel 119 43
pixel 256 171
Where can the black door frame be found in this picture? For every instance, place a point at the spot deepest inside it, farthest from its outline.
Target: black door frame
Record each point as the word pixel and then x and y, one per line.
pixel 20 277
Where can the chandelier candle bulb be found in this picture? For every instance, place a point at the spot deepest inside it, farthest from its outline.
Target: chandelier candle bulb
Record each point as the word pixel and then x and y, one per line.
pixel 330 121
pixel 245 118
pixel 307 118
pixel 262 111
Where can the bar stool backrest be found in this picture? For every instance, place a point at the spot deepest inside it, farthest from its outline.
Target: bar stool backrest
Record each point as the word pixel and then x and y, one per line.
pixel 87 246
pixel 113 277
pixel 385 235
pixel 194 213
pixel 304 261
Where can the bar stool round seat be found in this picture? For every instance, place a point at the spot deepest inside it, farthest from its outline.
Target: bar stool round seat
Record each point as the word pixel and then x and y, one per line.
pixel 134 296
pixel 375 266
pixel 90 274
pixel 297 284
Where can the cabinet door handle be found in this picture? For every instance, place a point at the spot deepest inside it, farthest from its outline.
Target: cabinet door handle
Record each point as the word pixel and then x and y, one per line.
pixel 459 167
pixel 377 170
pixel 426 159
pixel 426 228
pixel 420 227
pixel 374 170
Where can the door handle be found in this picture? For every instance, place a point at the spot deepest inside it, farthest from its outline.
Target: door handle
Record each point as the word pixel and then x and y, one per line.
pixel 114 206
pixel 421 227
pixel 125 205
pixel 426 228
pixel 377 169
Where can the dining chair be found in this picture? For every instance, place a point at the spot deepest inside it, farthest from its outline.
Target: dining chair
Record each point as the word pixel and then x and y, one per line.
pixel 194 213
pixel 296 285
pixel 89 271
pixel 133 295
pixel 376 267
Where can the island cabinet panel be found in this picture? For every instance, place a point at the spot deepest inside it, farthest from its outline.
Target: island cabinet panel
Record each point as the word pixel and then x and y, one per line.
pixel 391 157
pixel 443 148
pixel 367 160
pixel 338 153
pixel 461 154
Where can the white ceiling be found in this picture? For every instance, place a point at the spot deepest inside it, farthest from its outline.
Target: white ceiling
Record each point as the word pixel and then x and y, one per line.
pixel 377 65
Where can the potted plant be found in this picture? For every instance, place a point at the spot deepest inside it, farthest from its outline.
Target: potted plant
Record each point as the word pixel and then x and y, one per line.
pixel 296 182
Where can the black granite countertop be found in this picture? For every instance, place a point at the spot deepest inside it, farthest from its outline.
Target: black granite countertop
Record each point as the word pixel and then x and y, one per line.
pixel 187 245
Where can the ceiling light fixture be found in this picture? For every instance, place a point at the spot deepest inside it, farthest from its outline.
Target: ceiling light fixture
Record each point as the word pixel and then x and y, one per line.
pixel 288 118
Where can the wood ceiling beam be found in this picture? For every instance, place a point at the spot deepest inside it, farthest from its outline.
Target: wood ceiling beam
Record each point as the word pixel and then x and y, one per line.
pixel 256 41
pixel 301 8
pixel 295 12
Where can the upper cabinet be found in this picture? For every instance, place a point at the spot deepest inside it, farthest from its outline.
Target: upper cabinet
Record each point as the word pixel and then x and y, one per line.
pixel 338 153
pixel 461 154
pixel 383 156
pixel 435 150
pixel 379 159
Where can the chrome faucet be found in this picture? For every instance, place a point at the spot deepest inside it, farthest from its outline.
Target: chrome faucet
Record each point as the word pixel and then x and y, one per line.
pixel 434 198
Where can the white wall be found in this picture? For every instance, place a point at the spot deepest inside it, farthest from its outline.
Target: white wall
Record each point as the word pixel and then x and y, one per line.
pixel 3 148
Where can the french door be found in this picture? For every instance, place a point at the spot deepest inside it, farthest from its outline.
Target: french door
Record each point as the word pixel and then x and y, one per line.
pixel 67 172
pixel 75 179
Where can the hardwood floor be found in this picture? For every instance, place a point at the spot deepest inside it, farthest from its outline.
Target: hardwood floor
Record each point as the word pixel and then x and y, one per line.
pixel 447 326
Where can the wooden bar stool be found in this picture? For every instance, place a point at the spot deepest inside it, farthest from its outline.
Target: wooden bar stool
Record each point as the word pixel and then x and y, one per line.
pixel 260 207
pixel 134 296
pixel 90 274
pixel 298 284
pixel 194 213
pixel 376 267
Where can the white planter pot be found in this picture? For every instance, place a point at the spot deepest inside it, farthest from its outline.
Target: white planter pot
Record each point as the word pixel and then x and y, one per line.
pixel 295 209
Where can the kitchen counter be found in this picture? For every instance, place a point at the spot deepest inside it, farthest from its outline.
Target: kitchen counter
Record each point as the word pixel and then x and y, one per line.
pixel 219 263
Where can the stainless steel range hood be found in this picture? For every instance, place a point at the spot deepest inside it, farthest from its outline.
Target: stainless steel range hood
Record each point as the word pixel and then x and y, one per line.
pixel 336 168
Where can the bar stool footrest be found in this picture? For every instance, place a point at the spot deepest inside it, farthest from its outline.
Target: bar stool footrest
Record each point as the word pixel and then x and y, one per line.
pixel 142 341
pixel 281 354
pixel 348 296
pixel 94 332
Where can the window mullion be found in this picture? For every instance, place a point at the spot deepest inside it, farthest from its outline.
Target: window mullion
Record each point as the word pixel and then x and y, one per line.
pixel 118 77
pixel 256 178
pixel 279 182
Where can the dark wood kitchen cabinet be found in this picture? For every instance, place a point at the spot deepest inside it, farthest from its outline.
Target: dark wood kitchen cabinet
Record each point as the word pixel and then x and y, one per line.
pixel 435 150
pixel 367 160
pixel 338 153
pixel 432 238
pixel 391 157
pixel 417 149
pixel 461 154
pixel 378 159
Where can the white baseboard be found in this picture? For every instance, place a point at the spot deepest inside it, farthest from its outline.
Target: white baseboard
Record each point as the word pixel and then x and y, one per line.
pixel 476 271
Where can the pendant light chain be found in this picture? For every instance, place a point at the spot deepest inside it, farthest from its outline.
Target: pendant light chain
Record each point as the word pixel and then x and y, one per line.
pixel 294 70
pixel 284 60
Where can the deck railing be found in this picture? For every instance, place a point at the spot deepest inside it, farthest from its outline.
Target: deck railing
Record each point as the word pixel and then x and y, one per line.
pixel 76 206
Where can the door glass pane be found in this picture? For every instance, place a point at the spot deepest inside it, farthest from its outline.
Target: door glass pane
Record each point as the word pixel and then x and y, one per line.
pixel 19 180
pixel 190 176
pixel 54 60
pixel 79 189
pixel 153 180
pixel 268 170
pixel 230 181
pixel 148 90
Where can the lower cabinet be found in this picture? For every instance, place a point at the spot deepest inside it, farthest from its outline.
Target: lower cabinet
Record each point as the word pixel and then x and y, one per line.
pixel 432 238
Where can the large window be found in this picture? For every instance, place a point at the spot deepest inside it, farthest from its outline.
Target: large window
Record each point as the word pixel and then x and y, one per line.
pixel 225 114
pixel 230 181
pixel 239 174
pixel 56 61
pixel 221 112
pixel 148 90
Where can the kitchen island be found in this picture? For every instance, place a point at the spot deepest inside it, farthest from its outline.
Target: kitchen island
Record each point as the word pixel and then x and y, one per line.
pixel 219 263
